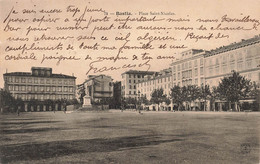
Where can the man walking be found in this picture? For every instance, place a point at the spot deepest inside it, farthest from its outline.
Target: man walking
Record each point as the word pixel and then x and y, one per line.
pixel 18 111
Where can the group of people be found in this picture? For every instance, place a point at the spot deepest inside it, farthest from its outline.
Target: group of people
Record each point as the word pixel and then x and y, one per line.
pixel 138 108
pixel 19 109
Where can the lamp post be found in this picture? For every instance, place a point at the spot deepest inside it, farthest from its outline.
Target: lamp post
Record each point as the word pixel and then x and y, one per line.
pixel 139 102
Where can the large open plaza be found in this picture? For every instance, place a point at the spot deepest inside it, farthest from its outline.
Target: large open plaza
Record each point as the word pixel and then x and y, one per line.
pixel 129 137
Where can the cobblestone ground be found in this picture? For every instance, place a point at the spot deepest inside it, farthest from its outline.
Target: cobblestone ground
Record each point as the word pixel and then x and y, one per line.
pixel 129 137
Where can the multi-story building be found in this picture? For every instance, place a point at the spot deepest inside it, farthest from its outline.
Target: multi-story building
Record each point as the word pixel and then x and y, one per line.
pixel 200 67
pixel 40 84
pixel 189 69
pixel 163 80
pixel 242 57
pixel 130 79
pixel 98 87
pixel 117 94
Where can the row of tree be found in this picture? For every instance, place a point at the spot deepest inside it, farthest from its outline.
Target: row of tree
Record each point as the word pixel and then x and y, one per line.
pixel 10 104
pixel 231 89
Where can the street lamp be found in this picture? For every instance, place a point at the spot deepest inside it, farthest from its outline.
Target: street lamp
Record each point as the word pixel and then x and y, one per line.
pixel 139 102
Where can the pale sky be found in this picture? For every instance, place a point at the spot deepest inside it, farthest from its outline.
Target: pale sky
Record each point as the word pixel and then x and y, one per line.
pixel 185 8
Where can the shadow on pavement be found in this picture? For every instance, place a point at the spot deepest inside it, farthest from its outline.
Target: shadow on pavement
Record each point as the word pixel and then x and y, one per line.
pixel 36 151
pixel 15 131
pixel 24 123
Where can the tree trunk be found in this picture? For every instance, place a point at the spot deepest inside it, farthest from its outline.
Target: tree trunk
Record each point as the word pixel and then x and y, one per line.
pixel 229 105
pixel 237 109
pixel 213 106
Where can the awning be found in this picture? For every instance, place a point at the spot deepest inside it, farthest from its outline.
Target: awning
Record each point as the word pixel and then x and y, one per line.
pixel 247 100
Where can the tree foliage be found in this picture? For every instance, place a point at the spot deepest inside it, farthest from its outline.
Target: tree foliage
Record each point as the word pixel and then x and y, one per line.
pixel 254 92
pixel 205 94
pixel 234 87
pixel 158 96
pixel 6 99
pixel 8 102
pixel 143 100
pixel 183 94
pixel 177 96
pixel 193 92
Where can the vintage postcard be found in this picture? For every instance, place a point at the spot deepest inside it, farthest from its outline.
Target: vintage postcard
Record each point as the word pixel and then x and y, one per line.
pixel 120 81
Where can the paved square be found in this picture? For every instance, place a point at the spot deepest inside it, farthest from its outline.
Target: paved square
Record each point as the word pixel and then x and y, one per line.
pixel 129 137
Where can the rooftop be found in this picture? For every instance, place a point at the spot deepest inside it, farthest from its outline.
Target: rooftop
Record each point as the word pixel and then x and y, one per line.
pixel 158 75
pixel 91 77
pixel 189 55
pixel 235 45
pixel 41 68
pixel 139 72
pixel 28 74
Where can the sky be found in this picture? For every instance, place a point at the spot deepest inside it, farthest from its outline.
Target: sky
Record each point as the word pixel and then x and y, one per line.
pixel 185 9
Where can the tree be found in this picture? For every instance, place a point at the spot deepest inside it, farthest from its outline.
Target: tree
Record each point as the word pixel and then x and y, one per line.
pixel 205 94
pixel 214 96
pixel 255 95
pixel 185 95
pixel 123 102
pixel 19 103
pixel 254 92
pixel 143 100
pixel 129 102
pixel 167 101
pixel 176 96
pixel 33 103
pixel 49 103
pixel 158 96
pixel 188 94
pixel 7 101
pixel 193 93
pixel 233 88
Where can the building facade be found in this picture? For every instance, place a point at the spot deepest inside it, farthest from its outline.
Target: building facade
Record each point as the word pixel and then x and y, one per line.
pixel 117 95
pixel 242 57
pixel 200 67
pixel 40 84
pixel 162 79
pixel 129 82
pixel 98 87
pixel 189 69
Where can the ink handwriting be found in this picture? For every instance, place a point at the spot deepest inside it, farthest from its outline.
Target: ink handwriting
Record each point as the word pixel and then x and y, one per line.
pixel 93 36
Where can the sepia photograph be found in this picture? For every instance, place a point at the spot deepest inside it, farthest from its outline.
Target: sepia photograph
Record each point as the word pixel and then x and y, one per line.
pixel 111 82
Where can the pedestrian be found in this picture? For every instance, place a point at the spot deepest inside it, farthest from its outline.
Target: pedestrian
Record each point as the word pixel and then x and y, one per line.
pixel 65 109
pixel 139 109
pixel 18 112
